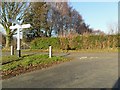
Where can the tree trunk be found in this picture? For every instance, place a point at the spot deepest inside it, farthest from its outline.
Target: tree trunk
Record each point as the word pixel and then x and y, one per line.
pixel 45 33
pixel 50 34
pixel 50 31
pixel 8 41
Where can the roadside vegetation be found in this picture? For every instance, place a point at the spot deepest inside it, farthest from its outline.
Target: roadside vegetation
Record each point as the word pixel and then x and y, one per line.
pixel 86 42
pixel 12 65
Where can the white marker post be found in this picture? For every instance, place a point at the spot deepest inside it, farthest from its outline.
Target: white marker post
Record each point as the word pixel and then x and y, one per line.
pixel 18 27
pixel 12 50
pixel 50 51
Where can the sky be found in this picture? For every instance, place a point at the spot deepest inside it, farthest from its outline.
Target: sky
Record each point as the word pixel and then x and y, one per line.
pixel 99 15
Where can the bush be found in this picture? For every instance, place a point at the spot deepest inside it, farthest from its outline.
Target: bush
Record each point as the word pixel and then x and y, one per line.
pixel 64 43
pixel 43 43
pixel 78 42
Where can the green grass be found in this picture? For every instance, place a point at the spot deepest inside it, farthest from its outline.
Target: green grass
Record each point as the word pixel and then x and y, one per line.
pixel 82 50
pixel 6 59
pixel 26 61
pixel 96 50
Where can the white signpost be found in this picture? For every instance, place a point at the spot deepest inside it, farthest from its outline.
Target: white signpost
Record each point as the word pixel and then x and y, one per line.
pixel 18 27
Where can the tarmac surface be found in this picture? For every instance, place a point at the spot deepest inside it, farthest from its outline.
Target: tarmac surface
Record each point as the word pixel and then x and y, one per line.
pixel 86 70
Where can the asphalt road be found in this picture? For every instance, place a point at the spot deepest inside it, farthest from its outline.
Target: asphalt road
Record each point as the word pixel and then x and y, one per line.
pixel 87 70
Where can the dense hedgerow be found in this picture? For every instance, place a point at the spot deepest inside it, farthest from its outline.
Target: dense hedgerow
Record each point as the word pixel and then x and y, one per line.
pixel 43 43
pixel 78 42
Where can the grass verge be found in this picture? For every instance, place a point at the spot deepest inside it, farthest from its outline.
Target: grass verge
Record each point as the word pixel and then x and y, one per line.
pixel 79 50
pixel 16 66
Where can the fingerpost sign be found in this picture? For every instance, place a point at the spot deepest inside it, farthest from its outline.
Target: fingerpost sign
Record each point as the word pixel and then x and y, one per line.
pixel 18 27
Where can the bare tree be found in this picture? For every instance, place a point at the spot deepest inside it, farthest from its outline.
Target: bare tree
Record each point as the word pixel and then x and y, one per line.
pixel 113 28
pixel 10 12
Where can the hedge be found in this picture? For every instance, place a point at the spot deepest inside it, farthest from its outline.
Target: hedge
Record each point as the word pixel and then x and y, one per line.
pixel 78 42
pixel 43 43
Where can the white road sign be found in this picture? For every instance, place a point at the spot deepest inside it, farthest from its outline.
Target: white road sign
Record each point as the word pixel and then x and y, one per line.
pixel 26 26
pixel 20 26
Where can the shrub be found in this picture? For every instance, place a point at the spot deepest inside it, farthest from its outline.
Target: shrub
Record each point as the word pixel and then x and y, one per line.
pixel 43 43
pixel 77 42
pixel 64 43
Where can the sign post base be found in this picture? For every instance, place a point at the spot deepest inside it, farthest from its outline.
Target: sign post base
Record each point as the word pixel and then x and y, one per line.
pixel 19 53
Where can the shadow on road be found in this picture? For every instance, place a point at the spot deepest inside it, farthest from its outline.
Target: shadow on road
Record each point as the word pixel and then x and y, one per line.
pixel 65 55
pixel 117 85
